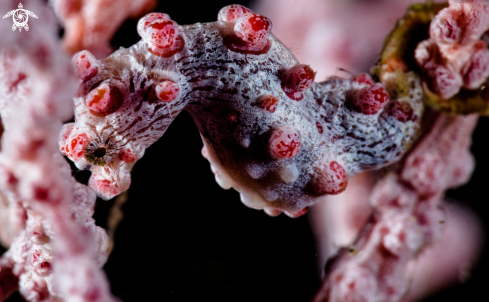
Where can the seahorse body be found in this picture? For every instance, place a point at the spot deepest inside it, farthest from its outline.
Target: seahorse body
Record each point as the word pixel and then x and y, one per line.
pixel 271 133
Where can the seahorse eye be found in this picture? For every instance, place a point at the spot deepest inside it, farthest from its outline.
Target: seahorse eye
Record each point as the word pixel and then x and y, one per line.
pixel 100 152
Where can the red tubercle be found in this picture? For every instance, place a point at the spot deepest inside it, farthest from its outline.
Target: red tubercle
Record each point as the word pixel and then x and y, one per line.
pixel 330 178
pixel 250 35
pixel 104 100
pixel 167 91
pixel 127 156
pixel 268 103
pixel 63 136
pixel 296 80
pixel 106 187
pixel 232 12
pixel 284 143
pixel 168 52
pixel 161 34
pixel 74 147
pixel 145 21
pixel 363 78
pixel 401 111
pixel 253 28
pixel 370 100
pixel 86 65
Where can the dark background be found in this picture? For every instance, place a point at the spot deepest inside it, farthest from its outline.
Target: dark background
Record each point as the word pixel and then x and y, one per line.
pixel 184 238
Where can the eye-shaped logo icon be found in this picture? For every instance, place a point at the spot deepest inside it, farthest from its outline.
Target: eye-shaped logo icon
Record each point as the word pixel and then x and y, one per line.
pixel 20 17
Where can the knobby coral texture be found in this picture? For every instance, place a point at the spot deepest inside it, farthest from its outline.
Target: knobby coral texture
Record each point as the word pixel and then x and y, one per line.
pixel 283 141
pixel 51 212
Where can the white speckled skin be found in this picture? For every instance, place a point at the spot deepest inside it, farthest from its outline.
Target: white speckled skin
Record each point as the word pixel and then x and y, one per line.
pixel 216 83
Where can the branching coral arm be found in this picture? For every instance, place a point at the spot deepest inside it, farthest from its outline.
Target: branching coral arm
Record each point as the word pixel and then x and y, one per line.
pixel 58 210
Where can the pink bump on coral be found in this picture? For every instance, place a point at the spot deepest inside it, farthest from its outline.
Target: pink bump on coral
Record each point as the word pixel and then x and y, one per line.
pixel 167 91
pixel 268 103
pixel 231 13
pixel 370 99
pixel 253 28
pixel 74 145
pixel 104 100
pixel 145 22
pixel 476 69
pixel 250 33
pixel 330 178
pixel 127 156
pixel 285 143
pixel 401 111
pixel 161 34
pixel 85 65
pixel 297 79
pixel 455 56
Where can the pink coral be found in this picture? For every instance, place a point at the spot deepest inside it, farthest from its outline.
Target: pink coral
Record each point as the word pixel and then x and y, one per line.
pixel 455 56
pixel 34 176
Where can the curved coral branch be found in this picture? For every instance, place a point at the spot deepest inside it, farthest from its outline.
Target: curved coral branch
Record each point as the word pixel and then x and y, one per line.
pixel 55 216
pixel 268 130
pixel 406 218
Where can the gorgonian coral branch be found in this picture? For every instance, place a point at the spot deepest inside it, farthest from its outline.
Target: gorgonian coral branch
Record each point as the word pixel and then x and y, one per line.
pixel 54 211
